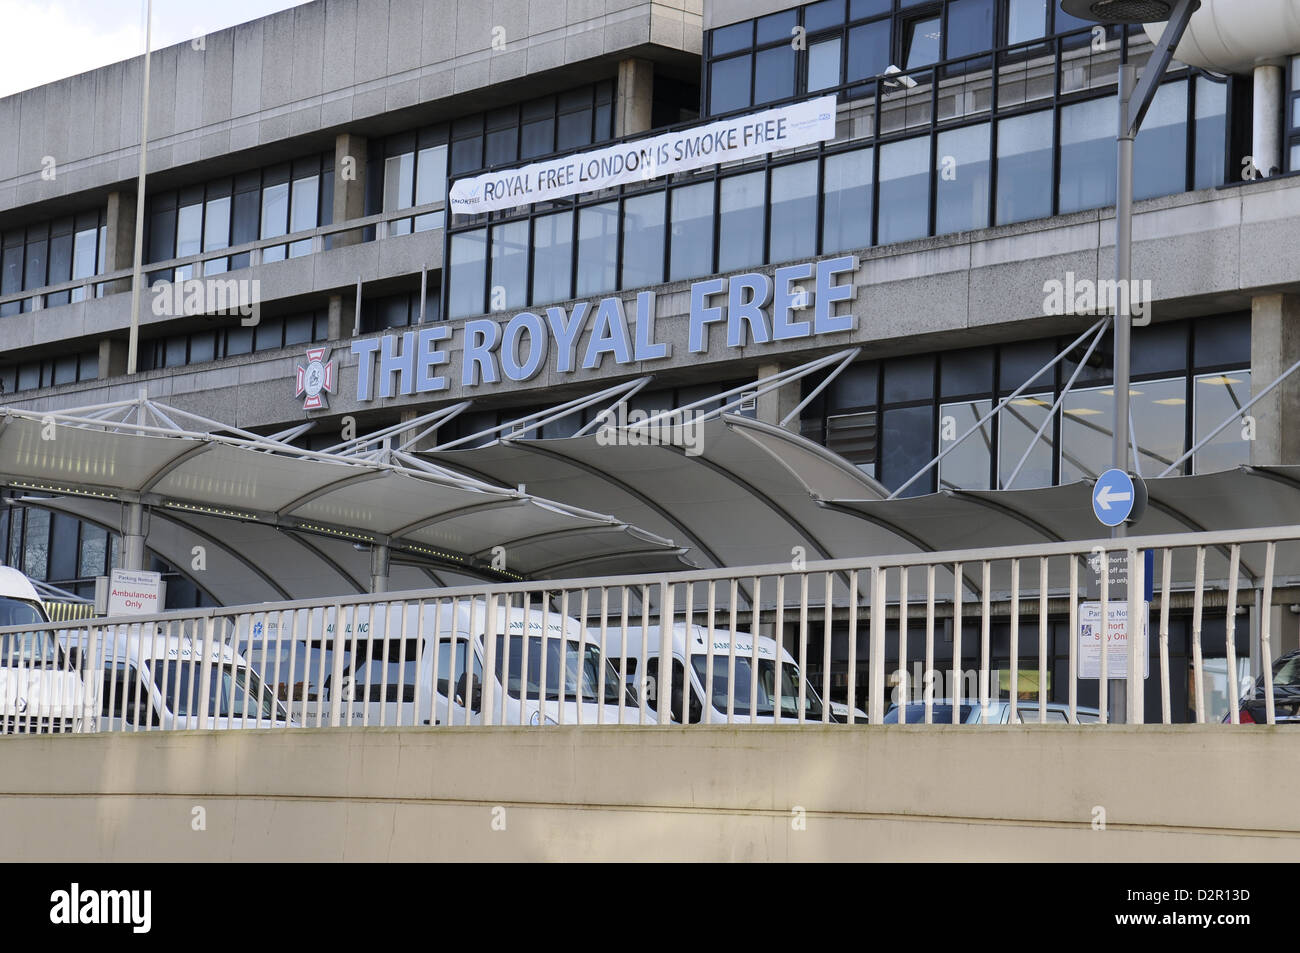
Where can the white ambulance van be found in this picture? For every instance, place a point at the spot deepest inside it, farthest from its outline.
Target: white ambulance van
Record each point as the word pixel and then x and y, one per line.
pixel 639 650
pixel 374 665
pixel 40 689
pixel 147 679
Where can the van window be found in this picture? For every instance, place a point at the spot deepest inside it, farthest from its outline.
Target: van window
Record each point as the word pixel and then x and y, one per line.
pixel 29 649
pixel 675 705
pixel 124 695
pixel 766 687
pixel 373 672
pixel 452 684
pixel 561 657
pixel 306 678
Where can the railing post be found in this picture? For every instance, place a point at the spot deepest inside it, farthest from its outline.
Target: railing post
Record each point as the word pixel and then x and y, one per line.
pixel 877 649
pixel 205 670
pixel 1137 643
pixel 489 699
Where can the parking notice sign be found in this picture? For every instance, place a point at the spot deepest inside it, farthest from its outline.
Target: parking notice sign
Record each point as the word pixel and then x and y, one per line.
pixel 134 593
pixel 1117 635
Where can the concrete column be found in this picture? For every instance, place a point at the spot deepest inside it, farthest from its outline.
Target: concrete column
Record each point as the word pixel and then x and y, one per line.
pixel 335 319
pixel 112 358
pixel 1275 346
pixel 379 554
pixel 427 442
pixel 634 97
pixel 120 238
pixel 349 184
pixel 1266 144
pixel 133 529
pixel 773 406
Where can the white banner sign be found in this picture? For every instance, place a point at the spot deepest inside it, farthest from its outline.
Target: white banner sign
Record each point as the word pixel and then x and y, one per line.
pixel 742 137
pixel 134 593
pixel 1116 640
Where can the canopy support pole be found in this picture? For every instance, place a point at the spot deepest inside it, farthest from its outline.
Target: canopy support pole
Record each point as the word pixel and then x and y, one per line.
pixel 379 565
pixel 132 537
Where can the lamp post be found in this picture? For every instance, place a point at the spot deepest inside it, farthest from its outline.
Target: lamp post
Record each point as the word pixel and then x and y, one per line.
pixel 1134 100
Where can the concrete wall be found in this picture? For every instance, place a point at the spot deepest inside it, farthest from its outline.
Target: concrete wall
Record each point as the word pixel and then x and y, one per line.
pixel 886 794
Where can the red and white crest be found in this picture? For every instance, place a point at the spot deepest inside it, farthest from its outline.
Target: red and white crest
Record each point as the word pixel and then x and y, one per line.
pixel 315 380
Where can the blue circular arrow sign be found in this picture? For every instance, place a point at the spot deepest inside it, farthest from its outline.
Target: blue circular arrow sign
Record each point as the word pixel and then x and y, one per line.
pixel 1114 497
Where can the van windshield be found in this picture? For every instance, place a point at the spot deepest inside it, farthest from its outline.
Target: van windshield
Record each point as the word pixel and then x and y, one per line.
pixel 234 690
pixel 562 656
pixel 766 687
pixel 25 648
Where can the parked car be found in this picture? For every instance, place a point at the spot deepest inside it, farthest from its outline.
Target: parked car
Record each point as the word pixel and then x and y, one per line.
pixel 971 712
pixel 1286 695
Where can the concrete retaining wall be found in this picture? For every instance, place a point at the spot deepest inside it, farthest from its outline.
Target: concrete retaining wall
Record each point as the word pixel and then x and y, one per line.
pixel 596 793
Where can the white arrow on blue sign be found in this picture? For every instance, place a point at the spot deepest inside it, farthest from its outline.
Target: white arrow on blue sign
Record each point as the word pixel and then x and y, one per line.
pixel 1114 497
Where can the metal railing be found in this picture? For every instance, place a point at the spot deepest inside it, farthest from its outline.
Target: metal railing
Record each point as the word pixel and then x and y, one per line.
pixel 1007 635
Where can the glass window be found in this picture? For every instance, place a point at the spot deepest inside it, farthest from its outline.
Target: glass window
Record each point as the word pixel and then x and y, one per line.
pixel 909 378
pixel 244 227
pixel 189 235
pixel 1026 20
pixel 216 233
pixel 854 437
pixel 36 544
pixel 202 347
pixel 868 50
pixel 431 175
pixel 921 43
pixel 502 146
pixel 83 257
pixel 1024 168
pixel 962 200
pixel 468 273
pixel 1017 423
pixel 966 467
pixel 1088 419
pixel 793 229
pixel 820 16
pixel 537 138
pixel 37 252
pixel 60 261
pixel 965 372
pixel 824 64
pixel 1211 132
pixel 597 249
pixel 740 221
pixel 1218 397
pixel 94 547
pixel 552 257
pixel 643 240
pixel 846 222
pixel 729 84
pixel 728 39
pixel 774 74
pixel 777 26
pixel 297 330
pixel 239 340
pixel 906 446
pixel 509 266
pixel 303 212
pixel 1087 155
pixel 275 218
pixel 691 254
pixel 1160 154
pixel 867 8
pixel 573 130
pixel 970 27
pixel 904 190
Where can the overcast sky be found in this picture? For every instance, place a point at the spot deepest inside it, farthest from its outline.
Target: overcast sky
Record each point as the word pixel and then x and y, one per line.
pixel 45 40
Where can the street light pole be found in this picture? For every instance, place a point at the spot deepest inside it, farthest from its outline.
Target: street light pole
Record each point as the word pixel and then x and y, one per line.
pixel 1117 688
pixel 1134 101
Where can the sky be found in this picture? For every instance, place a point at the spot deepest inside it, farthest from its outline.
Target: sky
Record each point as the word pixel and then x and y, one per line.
pixel 45 40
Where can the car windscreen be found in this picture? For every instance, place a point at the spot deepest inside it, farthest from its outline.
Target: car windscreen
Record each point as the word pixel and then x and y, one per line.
pixel 940 714
pixel 766 687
